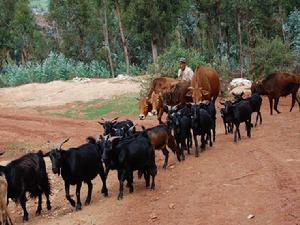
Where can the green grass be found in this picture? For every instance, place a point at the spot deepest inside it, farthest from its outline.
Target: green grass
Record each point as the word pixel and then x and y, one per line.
pixel 116 106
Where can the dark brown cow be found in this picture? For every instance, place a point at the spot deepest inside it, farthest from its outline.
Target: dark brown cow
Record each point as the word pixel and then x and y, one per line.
pixel 157 85
pixel 205 84
pixel 174 96
pixel 276 85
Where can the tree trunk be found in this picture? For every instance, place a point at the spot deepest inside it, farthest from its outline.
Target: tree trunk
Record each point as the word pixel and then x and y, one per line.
pixel 218 13
pixel 208 35
pixel 154 42
pixel 239 35
pixel 281 15
pixel 24 55
pixel 106 40
pixel 123 38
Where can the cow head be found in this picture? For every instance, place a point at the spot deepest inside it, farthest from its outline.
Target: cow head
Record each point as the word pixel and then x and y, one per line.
pixel 198 94
pixel 144 107
pixel 108 125
pixel 57 155
pixel 156 101
pixel 258 87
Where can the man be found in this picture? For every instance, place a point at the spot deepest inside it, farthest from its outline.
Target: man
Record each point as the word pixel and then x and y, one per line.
pixel 184 72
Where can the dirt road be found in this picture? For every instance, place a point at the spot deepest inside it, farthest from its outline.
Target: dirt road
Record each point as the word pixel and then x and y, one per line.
pixel 228 182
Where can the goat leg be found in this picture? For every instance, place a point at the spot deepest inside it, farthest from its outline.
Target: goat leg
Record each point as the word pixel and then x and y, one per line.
pixel 39 208
pixel 89 195
pixel 23 204
pixel 121 177
pixel 78 188
pixel 68 197
pixel 103 176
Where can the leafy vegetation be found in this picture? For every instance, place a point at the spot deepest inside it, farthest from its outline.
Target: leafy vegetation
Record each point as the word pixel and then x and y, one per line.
pixel 103 37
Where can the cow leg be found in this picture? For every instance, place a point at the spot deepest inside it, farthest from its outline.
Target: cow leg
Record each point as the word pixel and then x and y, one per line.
pixel 276 105
pixel 89 195
pixel 68 197
pixel 121 177
pixel 271 105
pixel 159 115
pixel 39 208
pixel 166 154
pixel 196 146
pixel 103 175
pixel 78 188
pixel 23 199
pixel 293 100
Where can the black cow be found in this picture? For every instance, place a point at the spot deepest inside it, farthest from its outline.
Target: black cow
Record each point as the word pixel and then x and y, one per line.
pixel 202 124
pixel 27 174
pixel 77 165
pixel 241 112
pixel 130 154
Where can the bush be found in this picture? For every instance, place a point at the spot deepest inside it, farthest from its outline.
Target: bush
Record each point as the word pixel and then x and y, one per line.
pixel 271 55
pixel 293 28
pixel 54 67
pixel 168 61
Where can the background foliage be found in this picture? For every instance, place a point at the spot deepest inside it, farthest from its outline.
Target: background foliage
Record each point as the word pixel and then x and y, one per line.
pixel 43 40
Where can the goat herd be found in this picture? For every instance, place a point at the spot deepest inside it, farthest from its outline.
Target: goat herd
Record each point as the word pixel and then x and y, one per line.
pixel 122 148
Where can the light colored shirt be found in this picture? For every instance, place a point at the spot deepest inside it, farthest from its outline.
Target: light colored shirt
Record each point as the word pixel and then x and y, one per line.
pixel 186 74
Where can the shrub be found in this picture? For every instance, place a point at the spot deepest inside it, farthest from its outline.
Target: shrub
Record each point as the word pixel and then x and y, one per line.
pixel 271 55
pixel 293 28
pixel 54 67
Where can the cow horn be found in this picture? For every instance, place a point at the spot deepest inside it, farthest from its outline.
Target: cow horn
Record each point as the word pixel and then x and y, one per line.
pixel 222 102
pixel 175 107
pixel 63 143
pixel 190 88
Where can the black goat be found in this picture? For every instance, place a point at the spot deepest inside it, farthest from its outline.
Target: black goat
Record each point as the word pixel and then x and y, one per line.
pixel 241 112
pixel 180 121
pixel 255 101
pixel 27 174
pixel 117 128
pixel 209 106
pixel 77 165
pixel 227 120
pixel 202 125
pixel 130 154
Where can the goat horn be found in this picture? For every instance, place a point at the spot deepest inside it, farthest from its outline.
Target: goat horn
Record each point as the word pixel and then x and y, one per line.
pixel 113 138
pixel 63 143
pixel 114 119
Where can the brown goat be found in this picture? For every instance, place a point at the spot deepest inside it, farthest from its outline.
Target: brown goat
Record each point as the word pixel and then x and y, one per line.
pixel 4 215
pixel 160 138
pixel 276 85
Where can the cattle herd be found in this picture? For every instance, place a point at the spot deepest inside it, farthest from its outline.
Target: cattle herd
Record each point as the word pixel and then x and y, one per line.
pixel 191 112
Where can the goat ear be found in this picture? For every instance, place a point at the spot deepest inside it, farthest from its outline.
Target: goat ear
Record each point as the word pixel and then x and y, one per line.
pixel 101 123
pixel 46 154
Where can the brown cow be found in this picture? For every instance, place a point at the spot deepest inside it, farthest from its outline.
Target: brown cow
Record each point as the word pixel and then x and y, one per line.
pixel 205 84
pixel 176 95
pixel 157 85
pixel 276 85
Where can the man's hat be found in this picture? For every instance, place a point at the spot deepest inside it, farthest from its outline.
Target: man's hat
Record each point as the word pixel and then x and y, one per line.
pixel 182 60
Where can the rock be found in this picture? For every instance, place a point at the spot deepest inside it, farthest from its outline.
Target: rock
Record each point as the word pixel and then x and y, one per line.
pixel 240 89
pixel 171 206
pixel 240 82
pixel 250 216
pixel 153 216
